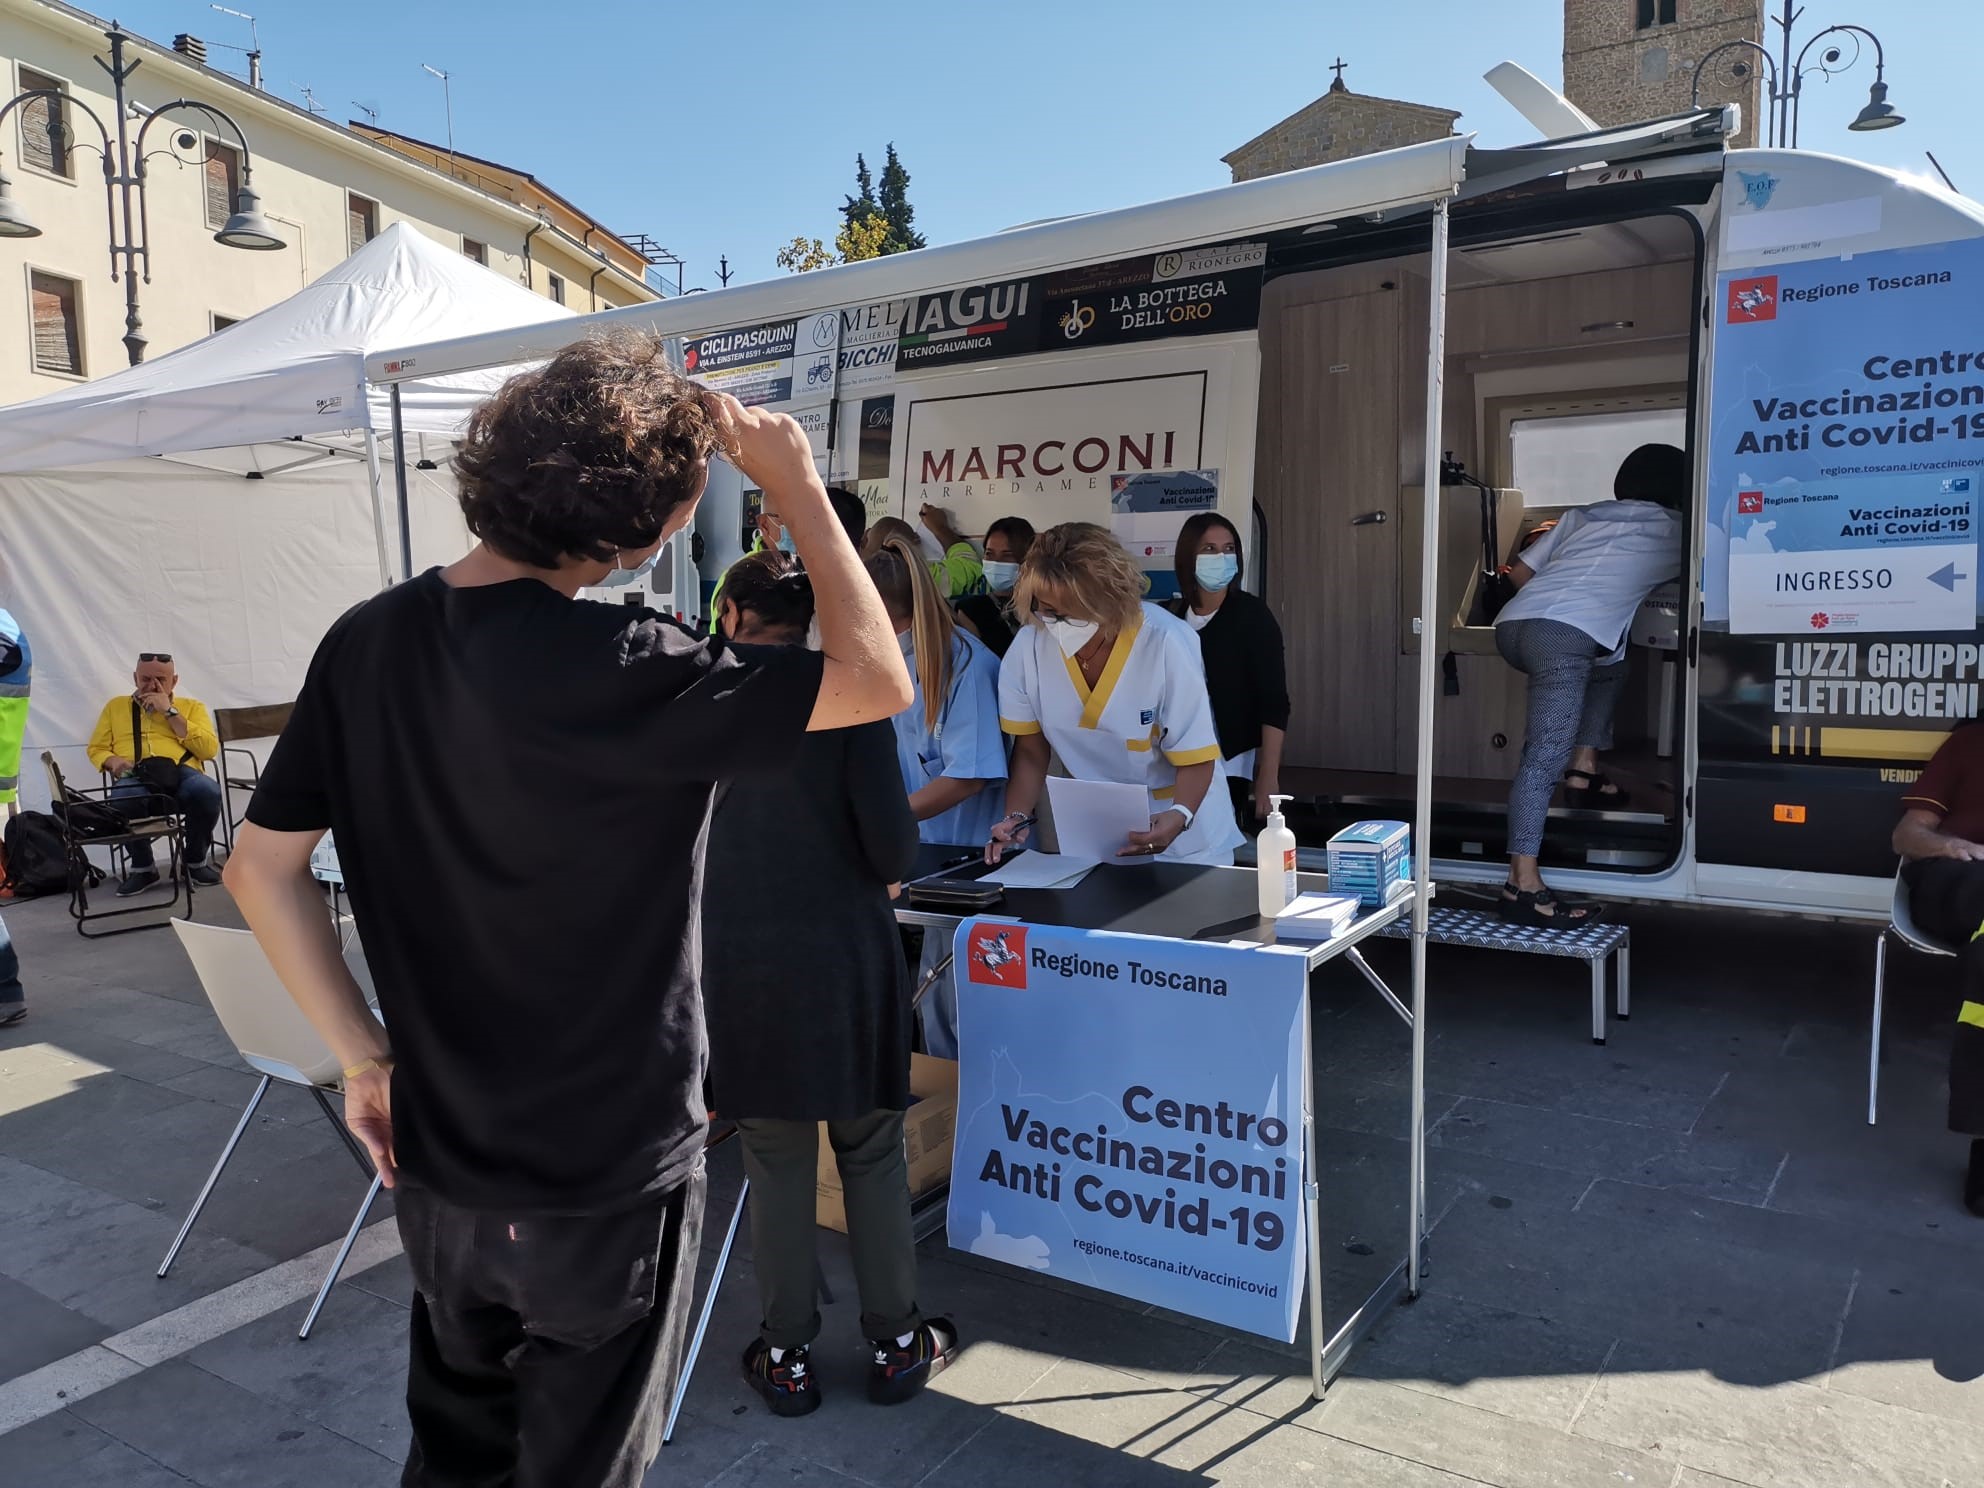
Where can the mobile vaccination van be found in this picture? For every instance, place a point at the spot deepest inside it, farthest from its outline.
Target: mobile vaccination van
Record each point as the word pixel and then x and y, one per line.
pixel 1809 329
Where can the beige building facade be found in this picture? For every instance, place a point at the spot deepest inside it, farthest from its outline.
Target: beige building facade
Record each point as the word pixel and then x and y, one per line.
pixel 325 190
pixel 1337 126
pixel 1626 60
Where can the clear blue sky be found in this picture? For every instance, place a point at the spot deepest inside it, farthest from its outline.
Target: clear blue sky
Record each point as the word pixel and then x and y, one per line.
pixel 724 129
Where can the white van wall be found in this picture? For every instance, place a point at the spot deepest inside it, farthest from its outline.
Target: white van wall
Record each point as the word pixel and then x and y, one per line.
pixel 1039 437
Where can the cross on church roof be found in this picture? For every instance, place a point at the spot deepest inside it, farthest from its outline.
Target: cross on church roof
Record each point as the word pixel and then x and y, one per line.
pixel 1337 68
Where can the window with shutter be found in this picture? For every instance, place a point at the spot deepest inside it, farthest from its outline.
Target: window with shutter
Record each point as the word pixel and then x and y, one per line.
pixel 556 288
pixel 45 135
pixel 58 341
pixel 223 181
pixel 477 251
pixel 364 214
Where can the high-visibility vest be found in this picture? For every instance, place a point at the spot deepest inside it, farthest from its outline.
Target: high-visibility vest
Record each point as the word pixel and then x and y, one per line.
pixel 16 670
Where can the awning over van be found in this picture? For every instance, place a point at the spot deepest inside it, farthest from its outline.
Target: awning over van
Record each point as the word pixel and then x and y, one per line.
pixel 1369 185
pixel 1408 177
pixel 1699 129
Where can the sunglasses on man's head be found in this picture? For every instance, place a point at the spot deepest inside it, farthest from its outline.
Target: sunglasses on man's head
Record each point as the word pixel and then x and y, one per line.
pixel 144 656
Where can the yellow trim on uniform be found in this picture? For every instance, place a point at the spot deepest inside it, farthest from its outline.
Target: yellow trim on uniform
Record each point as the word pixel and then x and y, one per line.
pixel 1075 675
pixel 1185 758
pixel 1112 672
pixel 1164 793
pixel 1140 746
pixel 1018 727
pixel 1971 1013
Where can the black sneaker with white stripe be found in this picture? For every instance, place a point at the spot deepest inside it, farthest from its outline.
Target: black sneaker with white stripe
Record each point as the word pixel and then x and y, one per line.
pixel 900 1371
pixel 786 1383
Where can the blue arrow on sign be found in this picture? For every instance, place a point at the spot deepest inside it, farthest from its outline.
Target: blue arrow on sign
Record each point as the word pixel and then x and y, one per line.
pixel 1948 577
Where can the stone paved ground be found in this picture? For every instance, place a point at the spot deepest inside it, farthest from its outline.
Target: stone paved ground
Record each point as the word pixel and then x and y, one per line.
pixel 1681 1259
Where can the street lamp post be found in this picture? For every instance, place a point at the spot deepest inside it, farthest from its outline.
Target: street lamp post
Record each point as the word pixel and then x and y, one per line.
pixel 1784 77
pixel 124 162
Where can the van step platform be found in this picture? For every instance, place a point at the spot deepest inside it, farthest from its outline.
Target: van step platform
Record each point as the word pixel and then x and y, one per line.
pixel 1487 931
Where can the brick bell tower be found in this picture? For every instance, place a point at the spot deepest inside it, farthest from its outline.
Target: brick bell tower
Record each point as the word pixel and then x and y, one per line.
pixel 1626 60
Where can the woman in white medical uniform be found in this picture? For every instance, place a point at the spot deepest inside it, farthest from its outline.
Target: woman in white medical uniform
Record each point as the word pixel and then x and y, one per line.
pixel 1116 687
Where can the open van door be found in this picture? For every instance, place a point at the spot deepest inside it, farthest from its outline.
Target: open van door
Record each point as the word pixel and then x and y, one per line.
pixel 1844 459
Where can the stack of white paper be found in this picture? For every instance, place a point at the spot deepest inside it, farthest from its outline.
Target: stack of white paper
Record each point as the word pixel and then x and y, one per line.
pixel 1316 916
pixel 1038 870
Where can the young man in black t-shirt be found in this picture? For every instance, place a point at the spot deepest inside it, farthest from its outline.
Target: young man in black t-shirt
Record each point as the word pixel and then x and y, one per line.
pixel 494 756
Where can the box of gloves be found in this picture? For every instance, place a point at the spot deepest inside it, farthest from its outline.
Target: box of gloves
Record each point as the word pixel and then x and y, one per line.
pixel 1372 860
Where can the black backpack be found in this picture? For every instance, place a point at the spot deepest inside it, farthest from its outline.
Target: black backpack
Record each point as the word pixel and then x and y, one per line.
pixel 37 862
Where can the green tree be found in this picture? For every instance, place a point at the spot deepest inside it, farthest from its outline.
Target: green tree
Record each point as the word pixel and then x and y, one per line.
pixel 895 207
pixel 862 204
pixel 872 223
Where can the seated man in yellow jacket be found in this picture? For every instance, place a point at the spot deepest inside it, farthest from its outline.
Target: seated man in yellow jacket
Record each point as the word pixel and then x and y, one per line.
pixel 152 742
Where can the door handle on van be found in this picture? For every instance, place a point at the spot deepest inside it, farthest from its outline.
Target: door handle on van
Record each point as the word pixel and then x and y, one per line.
pixel 1370 519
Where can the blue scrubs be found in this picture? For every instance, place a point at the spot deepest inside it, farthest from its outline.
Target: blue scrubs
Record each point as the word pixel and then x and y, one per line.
pixel 965 745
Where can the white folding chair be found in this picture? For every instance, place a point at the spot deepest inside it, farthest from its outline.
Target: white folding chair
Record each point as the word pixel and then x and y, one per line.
pixel 277 1042
pixel 1901 925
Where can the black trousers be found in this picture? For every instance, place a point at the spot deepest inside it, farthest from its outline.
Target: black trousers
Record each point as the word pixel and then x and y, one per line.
pixel 1948 900
pixel 545 1348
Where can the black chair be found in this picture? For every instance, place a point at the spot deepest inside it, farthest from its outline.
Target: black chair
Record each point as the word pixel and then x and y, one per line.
pixel 91 818
pixel 240 768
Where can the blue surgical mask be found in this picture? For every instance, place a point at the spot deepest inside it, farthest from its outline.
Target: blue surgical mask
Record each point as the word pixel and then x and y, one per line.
pixel 618 576
pixel 1000 577
pixel 785 540
pixel 1216 570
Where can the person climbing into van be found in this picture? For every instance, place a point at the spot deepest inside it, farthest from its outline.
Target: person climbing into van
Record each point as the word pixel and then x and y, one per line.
pixel 989 616
pixel 1577 587
pixel 1940 839
pixel 1245 671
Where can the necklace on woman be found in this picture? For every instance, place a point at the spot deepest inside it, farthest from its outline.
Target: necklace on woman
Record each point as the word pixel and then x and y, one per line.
pixel 1092 657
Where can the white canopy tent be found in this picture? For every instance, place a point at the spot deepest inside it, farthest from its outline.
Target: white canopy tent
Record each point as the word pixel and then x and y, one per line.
pixel 224 503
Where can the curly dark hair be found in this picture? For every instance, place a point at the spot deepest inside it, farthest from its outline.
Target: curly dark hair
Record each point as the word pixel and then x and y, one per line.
pixel 770 586
pixel 587 455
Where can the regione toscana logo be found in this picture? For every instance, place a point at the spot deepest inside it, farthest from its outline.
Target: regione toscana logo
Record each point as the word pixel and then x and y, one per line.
pixel 998 956
pixel 1751 300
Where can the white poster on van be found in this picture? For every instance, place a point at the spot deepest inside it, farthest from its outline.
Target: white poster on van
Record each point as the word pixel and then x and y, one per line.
pixel 1048 453
pixel 868 336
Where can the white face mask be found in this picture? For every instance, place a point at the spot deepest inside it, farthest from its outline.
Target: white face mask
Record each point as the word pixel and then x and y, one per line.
pixel 1071 635
pixel 619 576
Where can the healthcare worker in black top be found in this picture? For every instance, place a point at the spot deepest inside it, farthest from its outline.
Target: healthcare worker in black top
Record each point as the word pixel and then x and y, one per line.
pixel 1245 671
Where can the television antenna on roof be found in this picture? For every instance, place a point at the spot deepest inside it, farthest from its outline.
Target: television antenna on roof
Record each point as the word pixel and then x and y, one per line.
pixel 370 110
pixel 448 102
pixel 254 43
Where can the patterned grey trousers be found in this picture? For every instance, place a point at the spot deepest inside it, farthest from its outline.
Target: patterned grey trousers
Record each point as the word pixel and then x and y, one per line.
pixel 1571 700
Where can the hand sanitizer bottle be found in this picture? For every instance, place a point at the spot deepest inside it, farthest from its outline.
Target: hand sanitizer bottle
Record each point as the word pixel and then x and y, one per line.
pixel 1274 852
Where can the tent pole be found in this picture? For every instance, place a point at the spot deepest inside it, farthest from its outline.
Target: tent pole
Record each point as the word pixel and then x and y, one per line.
pixel 1422 804
pixel 399 483
pixel 378 508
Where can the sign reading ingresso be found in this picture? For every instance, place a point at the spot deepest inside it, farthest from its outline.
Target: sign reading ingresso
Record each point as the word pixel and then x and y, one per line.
pixel 1130 1117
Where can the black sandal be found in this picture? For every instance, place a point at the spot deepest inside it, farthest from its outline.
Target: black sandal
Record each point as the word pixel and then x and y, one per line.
pixel 1544 910
pixel 1599 790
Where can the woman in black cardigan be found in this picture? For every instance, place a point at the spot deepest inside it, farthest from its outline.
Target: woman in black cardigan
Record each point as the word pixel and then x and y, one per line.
pixel 807 1000
pixel 1245 672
